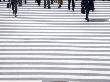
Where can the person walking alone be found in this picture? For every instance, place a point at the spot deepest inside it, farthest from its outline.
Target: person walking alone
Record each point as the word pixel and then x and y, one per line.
pixel 73 4
pixel 14 6
pixel 88 5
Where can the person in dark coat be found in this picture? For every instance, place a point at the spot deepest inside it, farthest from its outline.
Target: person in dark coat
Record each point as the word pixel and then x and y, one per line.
pixel 14 6
pixel 38 1
pixel 73 4
pixel 88 4
pixel 47 4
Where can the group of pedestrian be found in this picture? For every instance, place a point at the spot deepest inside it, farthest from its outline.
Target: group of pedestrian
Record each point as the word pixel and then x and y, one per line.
pixel 47 3
pixel 86 5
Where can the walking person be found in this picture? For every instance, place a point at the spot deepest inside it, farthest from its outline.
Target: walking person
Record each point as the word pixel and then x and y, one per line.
pixel 88 5
pixel 14 6
pixel 47 4
pixel 73 4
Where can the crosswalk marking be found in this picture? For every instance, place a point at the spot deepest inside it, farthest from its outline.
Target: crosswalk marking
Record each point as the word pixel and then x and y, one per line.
pixel 45 45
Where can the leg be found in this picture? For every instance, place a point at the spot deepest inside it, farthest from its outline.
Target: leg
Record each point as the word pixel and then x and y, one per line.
pixel 73 5
pixel 59 2
pixel 51 1
pixel 44 3
pixel 69 1
pixel 15 9
pixel 48 3
pixel 87 14
pixel 25 1
pixel 39 1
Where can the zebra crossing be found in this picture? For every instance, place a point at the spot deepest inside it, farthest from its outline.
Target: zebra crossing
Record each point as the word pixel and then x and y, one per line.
pixel 54 45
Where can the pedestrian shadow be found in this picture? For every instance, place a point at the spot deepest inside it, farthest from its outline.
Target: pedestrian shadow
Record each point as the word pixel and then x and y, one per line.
pixel 99 20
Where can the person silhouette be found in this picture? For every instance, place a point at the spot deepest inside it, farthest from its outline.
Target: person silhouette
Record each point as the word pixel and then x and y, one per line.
pixel 73 4
pixel 88 5
pixel 14 6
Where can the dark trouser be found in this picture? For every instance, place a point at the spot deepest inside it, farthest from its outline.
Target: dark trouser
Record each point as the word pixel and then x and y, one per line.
pixel 87 13
pixel 46 2
pixel 73 4
pixel 14 8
